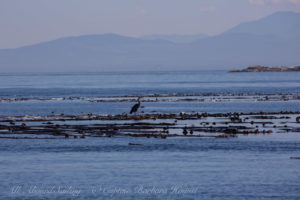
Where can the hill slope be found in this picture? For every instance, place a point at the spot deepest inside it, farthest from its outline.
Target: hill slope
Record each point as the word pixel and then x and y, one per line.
pixel 273 40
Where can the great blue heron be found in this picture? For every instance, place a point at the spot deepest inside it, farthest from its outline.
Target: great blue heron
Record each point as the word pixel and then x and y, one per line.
pixel 135 107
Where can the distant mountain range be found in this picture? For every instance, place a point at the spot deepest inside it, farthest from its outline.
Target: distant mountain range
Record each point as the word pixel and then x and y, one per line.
pixel 273 40
pixel 176 38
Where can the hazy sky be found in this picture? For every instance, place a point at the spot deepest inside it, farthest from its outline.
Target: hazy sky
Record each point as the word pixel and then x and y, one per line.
pixel 25 22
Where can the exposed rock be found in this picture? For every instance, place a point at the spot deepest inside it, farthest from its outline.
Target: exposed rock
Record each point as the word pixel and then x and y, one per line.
pixel 259 68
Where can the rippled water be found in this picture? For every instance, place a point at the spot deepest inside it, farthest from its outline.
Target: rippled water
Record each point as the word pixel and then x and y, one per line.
pixel 82 85
pixel 142 83
pixel 247 167
pixel 240 168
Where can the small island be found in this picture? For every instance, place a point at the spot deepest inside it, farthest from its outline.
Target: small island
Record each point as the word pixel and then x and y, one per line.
pixel 259 68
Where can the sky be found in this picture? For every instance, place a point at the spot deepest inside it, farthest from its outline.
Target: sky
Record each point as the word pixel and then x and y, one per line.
pixel 25 22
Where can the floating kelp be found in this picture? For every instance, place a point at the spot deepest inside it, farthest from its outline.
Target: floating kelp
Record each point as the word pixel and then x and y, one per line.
pixel 207 97
pixel 218 125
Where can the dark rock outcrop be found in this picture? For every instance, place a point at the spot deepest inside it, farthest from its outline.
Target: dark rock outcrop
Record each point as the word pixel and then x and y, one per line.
pixel 259 68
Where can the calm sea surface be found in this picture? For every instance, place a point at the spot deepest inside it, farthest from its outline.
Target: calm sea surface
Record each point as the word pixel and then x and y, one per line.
pixel 143 83
pixel 137 83
pixel 247 167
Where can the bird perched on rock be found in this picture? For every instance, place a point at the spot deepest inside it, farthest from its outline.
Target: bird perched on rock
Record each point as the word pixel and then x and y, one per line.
pixel 135 108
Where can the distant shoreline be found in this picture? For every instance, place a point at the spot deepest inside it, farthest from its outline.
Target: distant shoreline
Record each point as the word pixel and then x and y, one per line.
pixel 259 68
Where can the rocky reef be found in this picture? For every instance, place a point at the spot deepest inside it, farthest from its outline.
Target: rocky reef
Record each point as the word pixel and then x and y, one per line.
pixel 259 68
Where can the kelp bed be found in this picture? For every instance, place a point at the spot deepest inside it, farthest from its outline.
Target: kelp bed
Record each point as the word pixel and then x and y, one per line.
pixel 217 125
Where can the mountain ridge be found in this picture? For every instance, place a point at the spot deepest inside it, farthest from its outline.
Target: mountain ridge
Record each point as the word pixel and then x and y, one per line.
pixel 241 46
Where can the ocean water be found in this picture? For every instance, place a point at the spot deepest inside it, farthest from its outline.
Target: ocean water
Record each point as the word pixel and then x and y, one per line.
pixel 247 167
pixel 143 83
pixel 87 85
